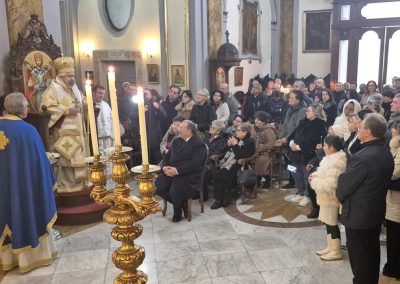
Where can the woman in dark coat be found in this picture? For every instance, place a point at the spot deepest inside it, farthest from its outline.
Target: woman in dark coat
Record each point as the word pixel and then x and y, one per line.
pixel 217 146
pixel 154 114
pixel 239 148
pixel 203 113
pixel 330 107
pixel 303 141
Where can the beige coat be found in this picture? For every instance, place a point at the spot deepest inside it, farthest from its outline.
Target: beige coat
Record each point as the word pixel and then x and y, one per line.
pixel 265 139
pixel 393 197
pixel 185 110
pixel 325 183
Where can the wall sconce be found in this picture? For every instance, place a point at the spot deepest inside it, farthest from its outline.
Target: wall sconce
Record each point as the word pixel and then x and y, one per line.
pixel 87 48
pixel 249 60
pixel 150 47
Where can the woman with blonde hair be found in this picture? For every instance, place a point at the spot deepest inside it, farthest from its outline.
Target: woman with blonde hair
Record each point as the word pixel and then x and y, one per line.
pixel 303 141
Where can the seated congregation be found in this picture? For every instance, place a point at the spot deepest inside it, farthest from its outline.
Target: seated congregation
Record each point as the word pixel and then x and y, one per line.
pixel 229 148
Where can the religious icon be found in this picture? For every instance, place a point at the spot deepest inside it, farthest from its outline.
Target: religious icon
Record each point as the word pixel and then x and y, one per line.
pixel 177 73
pixel 220 76
pixel 152 73
pixel 38 73
pixel 250 27
pixel 238 76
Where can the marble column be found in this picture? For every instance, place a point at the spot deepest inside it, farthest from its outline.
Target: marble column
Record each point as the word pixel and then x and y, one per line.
pixel 286 40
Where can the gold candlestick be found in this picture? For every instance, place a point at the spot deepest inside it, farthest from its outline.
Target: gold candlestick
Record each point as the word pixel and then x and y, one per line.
pixel 125 211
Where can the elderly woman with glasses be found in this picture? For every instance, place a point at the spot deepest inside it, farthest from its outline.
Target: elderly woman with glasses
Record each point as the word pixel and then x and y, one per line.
pixel 240 147
pixel 217 146
pixel 28 209
pixel 203 113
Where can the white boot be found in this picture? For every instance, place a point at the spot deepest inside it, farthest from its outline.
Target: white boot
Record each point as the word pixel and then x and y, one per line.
pixel 335 253
pixel 328 248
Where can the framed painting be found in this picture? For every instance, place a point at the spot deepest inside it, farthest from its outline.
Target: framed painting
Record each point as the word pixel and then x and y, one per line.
pixel 317 31
pixel 178 75
pixel 250 29
pixel 238 76
pixel 153 73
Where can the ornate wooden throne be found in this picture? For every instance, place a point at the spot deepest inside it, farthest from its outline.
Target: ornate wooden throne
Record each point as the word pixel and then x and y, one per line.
pixel 31 70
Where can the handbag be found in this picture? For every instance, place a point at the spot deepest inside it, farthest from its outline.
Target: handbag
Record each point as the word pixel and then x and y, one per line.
pixel 247 177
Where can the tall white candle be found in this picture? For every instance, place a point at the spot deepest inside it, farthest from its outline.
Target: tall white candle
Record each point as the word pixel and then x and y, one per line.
pixel 92 120
pixel 114 105
pixel 142 126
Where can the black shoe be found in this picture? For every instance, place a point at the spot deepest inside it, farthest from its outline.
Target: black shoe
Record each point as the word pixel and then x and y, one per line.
pixel 217 204
pixel 288 186
pixel 313 214
pixel 267 182
pixel 177 215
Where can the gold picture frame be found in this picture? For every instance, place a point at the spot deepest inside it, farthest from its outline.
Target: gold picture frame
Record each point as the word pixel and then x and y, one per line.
pixel 178 75
pixel 238 76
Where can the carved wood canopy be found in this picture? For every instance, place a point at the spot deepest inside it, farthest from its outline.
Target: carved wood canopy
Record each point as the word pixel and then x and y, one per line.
pixel 33 38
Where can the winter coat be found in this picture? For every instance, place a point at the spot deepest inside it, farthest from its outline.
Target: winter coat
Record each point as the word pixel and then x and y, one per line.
pixel 307 135
pixel 222 112
pixel 393 197
pixel 228 167
pixel 292 120
pixel 330 109
pixel 254 104
pixel 265 139
pixel 325 182
pixel 169 108
pixel 362 188
pixel 203 115
pixel 277 109
pixel 184 110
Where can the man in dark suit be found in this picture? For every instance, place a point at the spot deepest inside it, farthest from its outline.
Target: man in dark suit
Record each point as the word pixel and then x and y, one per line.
pixel 182 169
pixel 362 192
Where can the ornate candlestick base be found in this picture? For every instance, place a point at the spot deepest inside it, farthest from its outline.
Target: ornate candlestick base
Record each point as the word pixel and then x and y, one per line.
pixel 125 210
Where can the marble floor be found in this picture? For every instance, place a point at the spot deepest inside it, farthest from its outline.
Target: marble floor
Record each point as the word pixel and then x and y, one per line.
pixel 213 248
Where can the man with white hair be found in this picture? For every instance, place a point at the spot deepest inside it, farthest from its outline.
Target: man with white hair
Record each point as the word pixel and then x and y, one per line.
pixel 231 101
pixel 64 102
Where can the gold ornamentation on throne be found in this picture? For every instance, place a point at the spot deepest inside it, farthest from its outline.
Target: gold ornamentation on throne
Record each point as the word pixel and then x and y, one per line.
pixel 3 140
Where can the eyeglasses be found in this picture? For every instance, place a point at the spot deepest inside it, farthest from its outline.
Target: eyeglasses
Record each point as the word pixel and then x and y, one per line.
pixel 238 120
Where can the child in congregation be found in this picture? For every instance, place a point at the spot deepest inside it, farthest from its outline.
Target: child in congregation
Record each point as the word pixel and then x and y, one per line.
pixel 324 182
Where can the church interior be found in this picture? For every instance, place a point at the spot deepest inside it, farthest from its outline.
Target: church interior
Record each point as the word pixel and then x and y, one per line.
pixel 154 47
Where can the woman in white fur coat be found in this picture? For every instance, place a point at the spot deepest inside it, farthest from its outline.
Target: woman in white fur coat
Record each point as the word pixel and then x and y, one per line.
pixel 324 181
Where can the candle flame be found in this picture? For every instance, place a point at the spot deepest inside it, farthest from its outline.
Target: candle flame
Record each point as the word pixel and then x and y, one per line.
pixel 88 82
pixel 110 68
pixel 140 90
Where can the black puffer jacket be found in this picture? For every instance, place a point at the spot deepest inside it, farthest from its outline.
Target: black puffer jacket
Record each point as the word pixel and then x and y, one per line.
pixel 307 135
pixel 203 115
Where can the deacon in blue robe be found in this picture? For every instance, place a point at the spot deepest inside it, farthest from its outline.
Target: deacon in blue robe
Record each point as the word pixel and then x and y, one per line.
pixel 27 205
